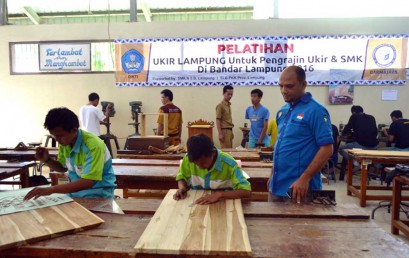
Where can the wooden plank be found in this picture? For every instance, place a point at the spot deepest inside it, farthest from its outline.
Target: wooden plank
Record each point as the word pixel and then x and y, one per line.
pixel 380 153
pixel 178 227
pixel 24 164
pixel 173 163
pixel 268 238
pixel 164 178
pixel 34 225
pixel 241 155
pixel 262 209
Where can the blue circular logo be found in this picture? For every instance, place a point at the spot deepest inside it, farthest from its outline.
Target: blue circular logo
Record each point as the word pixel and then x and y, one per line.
pixel 384 55
pixel 132 61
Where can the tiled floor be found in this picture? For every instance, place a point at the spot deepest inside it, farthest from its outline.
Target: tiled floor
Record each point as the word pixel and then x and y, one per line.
pixel 382 217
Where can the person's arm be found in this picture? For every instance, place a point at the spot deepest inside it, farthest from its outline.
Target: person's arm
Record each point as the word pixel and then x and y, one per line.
pixel 181 193
pixel 180 131
pixel 263 133
pixel 160 129
pixel 43 155
pixel 217 195
pixel 300 186
pixel 80 184
pixel 219 129
pixel 348 127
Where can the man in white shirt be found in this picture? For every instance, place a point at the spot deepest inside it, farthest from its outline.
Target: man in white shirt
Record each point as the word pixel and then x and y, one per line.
pixel 91 117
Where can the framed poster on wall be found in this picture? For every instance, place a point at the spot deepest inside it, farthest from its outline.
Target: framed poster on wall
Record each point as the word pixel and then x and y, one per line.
pixel 65 57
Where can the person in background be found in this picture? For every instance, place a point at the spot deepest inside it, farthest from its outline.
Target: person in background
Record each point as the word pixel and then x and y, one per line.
pixel 224 119
pixel 258 116
pixel 174 118
pixel 272 131
pixel 398 132
pixel 205 167
pixel 91 117
pixel 364 131
pixel 83 154
pixel 304 141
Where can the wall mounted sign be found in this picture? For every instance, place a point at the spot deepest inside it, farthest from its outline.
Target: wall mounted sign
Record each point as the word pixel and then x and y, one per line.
pixel 327 59
pixel 65 57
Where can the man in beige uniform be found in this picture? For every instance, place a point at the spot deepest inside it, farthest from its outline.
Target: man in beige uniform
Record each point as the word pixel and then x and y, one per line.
pixel 224 120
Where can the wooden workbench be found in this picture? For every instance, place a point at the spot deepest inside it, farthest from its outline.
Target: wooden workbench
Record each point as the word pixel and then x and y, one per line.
pixel 366 157
pixel 269 237
pixel 130 154
pixel 10 169
pixel 28 155
pixel 397 223
pixel 164 178
pixel 173 163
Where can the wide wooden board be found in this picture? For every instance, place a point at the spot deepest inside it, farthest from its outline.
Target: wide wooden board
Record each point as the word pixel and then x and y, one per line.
pixel 181 227
pixel 379 153
pixel 34 225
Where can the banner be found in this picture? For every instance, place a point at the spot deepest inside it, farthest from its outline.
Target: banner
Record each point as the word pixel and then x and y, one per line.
pixel 65 56
pixel 327 59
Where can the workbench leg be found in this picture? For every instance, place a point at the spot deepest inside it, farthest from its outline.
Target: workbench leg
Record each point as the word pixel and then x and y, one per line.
pixel 349 175
pixel 396 201
pixel 24 178
pixel 364 179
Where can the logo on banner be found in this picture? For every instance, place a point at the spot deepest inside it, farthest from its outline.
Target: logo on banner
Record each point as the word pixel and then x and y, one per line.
pixel 132 61
pixel 384 55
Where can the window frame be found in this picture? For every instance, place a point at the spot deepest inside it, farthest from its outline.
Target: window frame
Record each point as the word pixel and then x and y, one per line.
pixel 12 44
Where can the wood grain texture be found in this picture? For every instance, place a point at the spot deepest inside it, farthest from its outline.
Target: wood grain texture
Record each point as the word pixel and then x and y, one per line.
pixel 178 227
pixel 34 225
pixel 379 153
pixel 276 237
pixel 241 155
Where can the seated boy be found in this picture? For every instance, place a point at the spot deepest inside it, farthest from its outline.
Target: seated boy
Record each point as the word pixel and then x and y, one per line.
pixel 207 168
pixel 83 154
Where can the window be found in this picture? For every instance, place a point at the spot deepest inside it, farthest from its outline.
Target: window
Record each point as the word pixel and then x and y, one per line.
pixel 25 58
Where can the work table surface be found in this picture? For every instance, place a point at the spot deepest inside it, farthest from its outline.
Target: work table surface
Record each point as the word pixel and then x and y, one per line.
pixel 269 236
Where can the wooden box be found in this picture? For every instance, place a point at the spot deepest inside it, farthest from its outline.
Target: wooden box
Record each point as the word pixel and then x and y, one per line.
pixel 143 142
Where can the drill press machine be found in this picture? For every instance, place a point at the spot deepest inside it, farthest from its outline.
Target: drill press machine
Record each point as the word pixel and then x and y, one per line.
pixel 135 111
pixel 108 136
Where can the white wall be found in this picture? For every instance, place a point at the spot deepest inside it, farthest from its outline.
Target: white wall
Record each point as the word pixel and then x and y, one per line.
pixel 25 99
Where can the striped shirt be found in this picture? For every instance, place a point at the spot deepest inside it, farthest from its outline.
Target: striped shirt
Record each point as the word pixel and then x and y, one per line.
pixel 225 174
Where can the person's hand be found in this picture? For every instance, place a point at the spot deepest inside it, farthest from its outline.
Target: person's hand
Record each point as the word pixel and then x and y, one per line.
pixel 210 198
pixel 42 154
pixel 300 188
pixel 180 194
pixel 258 142
pixel 37 192
pixel 221 137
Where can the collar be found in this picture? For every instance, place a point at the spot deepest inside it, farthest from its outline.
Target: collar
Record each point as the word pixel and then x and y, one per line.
pixel 226 102
pixel 169 103
pixel 257 107
pixel 77 144
pixel 218 163
pixel 305 99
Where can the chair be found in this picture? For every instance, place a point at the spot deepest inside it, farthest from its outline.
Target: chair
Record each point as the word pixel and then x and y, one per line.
pixel 200 127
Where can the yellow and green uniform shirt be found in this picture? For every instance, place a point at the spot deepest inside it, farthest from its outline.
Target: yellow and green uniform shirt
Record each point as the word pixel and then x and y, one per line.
pixel 225 174
pixel 90 159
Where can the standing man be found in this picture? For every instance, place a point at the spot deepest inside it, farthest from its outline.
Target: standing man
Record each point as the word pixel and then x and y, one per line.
pixel 224 120
pixel 304 141
pixel 91 117
pixel 174 118
pixel 258 116
pixel 364 130
pixel 398 132
pixel 83 154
